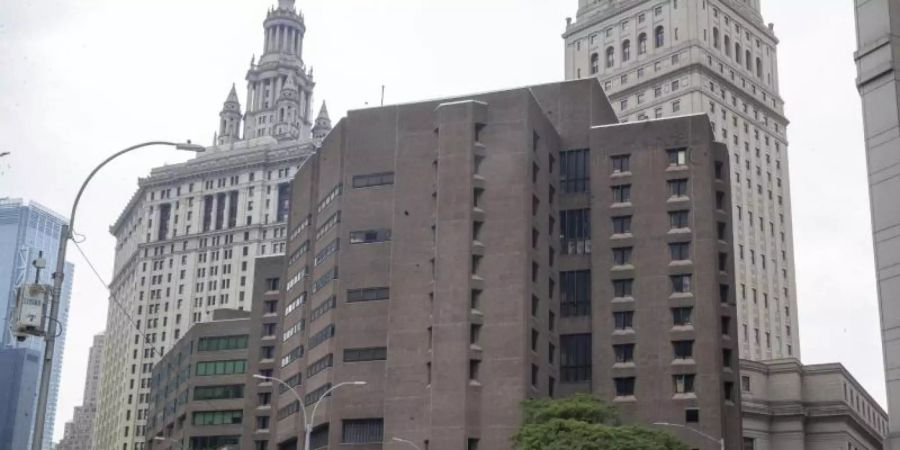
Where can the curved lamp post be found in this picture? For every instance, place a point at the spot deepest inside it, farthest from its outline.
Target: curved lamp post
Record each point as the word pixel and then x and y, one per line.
pixel 308 421
pixel 66 234
pixel 162 439
pixel 721 442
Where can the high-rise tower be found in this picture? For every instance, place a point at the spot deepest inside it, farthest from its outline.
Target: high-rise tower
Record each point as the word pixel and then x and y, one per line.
pixel 659 58
pixel 188 240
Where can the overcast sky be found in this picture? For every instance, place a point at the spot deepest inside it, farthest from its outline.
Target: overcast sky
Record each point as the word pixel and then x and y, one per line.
pixel 80 79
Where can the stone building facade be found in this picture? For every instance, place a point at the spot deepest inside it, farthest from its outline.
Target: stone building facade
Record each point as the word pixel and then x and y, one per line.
pixel 78 432
pixel 789 406
pixel 877 30
pixel 663 58
pixel 424 258
pixel 188 239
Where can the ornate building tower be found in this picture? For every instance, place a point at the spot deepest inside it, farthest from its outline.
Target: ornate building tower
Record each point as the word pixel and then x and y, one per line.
pixel 230 119
pixel 282 60
pixel 323 124
pixel 287 111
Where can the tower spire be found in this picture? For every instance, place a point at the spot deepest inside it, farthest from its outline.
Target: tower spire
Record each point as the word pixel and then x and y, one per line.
pixel 286 4
pixel 323 123
pixel 230 119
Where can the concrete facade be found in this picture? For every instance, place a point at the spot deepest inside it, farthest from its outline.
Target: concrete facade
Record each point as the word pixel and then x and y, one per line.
pixel 188 239
pixel 789 406
pixel 424 258
pixel 78 432
pixel 878 28
pixel 661 58
pixel 27 230
pixel 197 393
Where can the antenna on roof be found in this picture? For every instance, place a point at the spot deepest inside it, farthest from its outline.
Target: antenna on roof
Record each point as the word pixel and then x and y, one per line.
pixel 382 95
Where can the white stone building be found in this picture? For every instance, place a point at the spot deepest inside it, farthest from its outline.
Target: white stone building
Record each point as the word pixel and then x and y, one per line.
pixel 789 406
pixel 187 240
pixel 660 58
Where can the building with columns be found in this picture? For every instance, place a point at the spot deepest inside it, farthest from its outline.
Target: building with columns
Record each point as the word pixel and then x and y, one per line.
pixel 661 58
pixel 188 238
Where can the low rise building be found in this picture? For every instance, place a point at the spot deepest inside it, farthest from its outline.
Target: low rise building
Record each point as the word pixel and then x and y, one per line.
pixel 197 388
pixel 791 406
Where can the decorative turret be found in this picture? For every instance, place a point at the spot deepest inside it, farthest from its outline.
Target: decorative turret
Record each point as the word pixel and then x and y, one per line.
pixel 281 63
pixel 230 119
pixel 286 110
pixel 323 124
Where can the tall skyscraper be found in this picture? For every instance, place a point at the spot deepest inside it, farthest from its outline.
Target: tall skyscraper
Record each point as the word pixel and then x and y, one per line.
pixel 660 58
pixel 878 40
pixel 188 239
pixel 425 259
pixel 27 230
pixel 78 432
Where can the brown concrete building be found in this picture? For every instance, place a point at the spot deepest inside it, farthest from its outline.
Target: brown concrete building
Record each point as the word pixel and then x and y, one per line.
pixel 197 391
pixel 424 258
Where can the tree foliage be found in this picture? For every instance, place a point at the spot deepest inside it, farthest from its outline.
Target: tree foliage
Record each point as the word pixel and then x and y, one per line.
pixel 582 422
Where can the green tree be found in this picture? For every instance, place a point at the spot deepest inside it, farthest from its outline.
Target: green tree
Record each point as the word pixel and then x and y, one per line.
pixel 582 422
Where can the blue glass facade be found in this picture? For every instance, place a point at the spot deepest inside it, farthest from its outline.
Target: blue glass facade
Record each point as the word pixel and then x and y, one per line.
pixel 25 231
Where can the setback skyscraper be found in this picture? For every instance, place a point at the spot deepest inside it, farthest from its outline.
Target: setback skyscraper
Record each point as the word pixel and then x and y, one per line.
pixel 662 58
pixel 78 432
pixel 188 239
pixel 27 230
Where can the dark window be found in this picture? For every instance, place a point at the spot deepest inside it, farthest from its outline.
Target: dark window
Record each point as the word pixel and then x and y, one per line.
pixel 681 284
pixel 365 354
pixel 370 236
pixel 372 180
pixel 726 357
pixel 728 390
pixel 219 343
pixel 684 384
pixel 363 431
pixel 624 320
pixel 724 293
pixel 321 336
pixel 218 392
pixel 595 63
pixel 722 229
pixel 272 284
pixel 623 288
pixel 535 374
pixel 368 294
pixel 678 188
pixel 683 349
pixel 621 163
pixel 621 225
pixel 574 171
pixel 624 386
pixel 679 219
pixel 576 231
pixel 621 194
pixel 720 200
pixel 575 293
pixel 284 202
pixel 622 256
pixel 624 353
pixel 681 317
pixel 677 157
pixel 680 251
pixel 692 415
pixel 320 365
pixel 575 357
pixel 474 367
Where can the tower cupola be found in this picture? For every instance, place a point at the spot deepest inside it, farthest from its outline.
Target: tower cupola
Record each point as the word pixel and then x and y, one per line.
pixel 323 124
pixel 230 119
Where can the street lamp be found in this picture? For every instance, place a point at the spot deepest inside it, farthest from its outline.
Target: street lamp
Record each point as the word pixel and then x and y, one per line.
pixel 64 236
pixel 162 439
pixel 404 441
pixel 721 442
pixel 308 421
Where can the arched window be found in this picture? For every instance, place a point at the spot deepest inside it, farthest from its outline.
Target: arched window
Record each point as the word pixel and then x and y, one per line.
pixel 610 57
pixel 595 63
pixel 626 50
pixel 738 53
pixel 748 60
pixel 660 36
pixel 758 67
pixel 642 43
pixel 727 44
pixel 715 37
